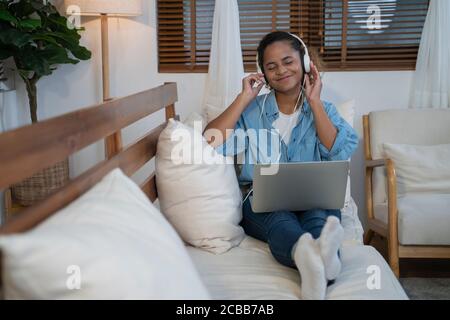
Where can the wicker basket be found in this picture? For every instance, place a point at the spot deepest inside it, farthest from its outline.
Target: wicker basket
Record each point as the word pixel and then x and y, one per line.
pixel 40 185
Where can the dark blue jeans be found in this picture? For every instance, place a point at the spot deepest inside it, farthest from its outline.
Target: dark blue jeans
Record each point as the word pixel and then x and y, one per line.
pixel 281 229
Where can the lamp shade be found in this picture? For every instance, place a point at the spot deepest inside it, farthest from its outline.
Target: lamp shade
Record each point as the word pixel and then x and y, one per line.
pixel 109 7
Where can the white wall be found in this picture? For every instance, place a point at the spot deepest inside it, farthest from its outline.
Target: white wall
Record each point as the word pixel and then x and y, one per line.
pixel 372 91
pixel 133 47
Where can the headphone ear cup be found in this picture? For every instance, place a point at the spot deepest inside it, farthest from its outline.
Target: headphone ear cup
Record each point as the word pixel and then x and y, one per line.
pixel 307 63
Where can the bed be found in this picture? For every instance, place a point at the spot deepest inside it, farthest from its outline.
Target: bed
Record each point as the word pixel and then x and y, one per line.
pixel 247 271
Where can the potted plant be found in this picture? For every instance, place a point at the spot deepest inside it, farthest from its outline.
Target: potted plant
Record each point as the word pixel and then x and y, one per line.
pixel 38 39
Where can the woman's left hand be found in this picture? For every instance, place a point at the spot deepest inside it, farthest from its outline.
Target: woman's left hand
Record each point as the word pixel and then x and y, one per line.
pixel 313 86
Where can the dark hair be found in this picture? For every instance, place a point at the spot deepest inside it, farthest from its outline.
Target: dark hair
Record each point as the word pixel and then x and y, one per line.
pixel 276 36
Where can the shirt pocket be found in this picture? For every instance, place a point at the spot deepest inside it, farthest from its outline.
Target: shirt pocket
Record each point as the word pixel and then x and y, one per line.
pixel 308 149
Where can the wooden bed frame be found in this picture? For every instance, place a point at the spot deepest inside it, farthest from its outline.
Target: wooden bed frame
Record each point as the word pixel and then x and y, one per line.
pixel 27 150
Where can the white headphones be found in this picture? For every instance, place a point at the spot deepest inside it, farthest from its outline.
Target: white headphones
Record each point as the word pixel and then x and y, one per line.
pixel 306 65
pixel 306 58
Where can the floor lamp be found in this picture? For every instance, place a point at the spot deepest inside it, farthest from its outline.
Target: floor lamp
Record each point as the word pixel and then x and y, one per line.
pixel 105 9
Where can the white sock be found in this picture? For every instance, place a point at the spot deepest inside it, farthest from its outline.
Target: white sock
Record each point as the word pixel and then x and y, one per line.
pixel 330 241
pixel 310 265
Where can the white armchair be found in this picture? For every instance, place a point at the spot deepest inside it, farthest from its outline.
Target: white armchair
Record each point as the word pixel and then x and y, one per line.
pixel 416 225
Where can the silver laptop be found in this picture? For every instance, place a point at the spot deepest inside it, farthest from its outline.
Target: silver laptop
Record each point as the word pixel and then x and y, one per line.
pixel 299 186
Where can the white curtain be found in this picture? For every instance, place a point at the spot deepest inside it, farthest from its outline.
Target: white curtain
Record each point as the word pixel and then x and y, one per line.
pixel 431 85
pixel 226 67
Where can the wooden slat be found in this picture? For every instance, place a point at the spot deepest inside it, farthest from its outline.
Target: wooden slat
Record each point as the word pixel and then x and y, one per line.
pixel 36 147
pixel 129 160
pixel 149 188
pixel 378 226
pixel 439 252
pixel 8 203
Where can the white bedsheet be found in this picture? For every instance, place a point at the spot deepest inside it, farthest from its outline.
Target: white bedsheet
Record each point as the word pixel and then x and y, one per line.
pixel 250 272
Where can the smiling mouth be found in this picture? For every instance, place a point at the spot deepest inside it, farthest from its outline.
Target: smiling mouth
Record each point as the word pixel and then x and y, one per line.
pixel 281 79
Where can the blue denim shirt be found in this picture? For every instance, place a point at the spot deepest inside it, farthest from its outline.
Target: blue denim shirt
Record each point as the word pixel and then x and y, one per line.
pixel 255 135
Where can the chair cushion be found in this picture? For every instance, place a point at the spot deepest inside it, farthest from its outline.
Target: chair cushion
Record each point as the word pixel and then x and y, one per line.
pixel 420 169
pixel 424 219
pixel 410 126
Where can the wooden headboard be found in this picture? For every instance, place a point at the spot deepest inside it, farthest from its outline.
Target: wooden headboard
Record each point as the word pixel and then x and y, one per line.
pixel 28 150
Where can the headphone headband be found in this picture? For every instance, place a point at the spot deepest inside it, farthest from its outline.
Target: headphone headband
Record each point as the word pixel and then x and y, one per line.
pixel 302 43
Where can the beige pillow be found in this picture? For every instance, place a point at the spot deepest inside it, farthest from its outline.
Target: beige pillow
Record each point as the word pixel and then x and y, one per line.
pixel 420 169
pixel 198 191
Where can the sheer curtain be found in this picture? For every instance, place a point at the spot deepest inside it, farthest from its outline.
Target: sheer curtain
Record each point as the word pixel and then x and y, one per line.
pixel 431 85
pixel 226 67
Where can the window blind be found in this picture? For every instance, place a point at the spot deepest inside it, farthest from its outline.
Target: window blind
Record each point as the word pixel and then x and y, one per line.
pixel 347 34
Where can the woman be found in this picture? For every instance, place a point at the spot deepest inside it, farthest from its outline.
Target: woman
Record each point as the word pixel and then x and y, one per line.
pixel 306 129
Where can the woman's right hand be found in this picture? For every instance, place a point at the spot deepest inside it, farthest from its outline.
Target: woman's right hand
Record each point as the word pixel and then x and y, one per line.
pixel 249 92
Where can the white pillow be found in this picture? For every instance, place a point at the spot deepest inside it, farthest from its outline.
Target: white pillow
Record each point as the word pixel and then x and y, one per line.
pixel 111 241
pixel 347 112
pixel 199 195
pixel 195 121
pixel 420 169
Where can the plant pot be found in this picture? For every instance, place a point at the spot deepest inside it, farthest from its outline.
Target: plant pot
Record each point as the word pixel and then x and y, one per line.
pixel 40 185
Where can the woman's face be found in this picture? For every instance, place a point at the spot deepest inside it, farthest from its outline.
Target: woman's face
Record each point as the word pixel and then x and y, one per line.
pixel 282 66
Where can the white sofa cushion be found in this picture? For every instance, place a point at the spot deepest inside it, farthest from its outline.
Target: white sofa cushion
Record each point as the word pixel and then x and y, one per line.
pixel 111 243
pixel 423 219
pixel 250 272
pixel 412 126
pixel 199 196
pixel 420 169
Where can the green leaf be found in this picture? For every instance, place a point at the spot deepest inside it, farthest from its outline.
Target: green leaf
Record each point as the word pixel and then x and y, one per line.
pixel 57 22
pixel 71 43
pixel 55 55
pixel 6 16
pixel 67 38
pixel 14 37
pixel 21 9
pixel 31 60
pixel 44 38
pixel 30 24
pixel 39 38
pixel 81 53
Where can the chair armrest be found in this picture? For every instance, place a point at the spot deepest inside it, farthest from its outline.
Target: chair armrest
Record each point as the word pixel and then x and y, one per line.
pixel 376 163
pixel 392 197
